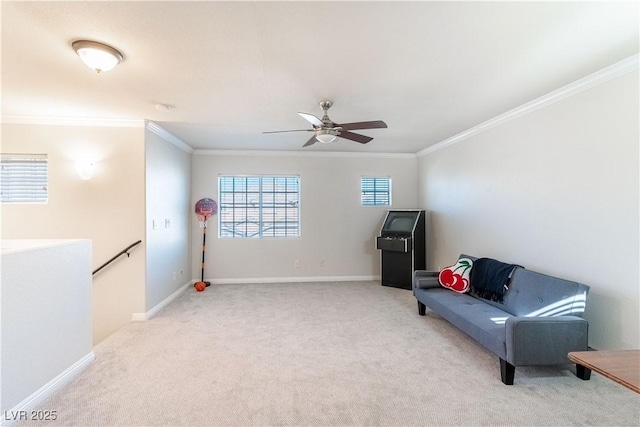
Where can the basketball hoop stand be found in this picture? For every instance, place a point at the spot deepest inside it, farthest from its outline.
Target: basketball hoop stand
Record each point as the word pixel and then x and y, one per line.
pixel 204 209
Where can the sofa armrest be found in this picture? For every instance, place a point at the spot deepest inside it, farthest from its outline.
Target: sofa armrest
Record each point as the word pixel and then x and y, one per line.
pixel 425 273
pixel 544 340
pixel 424 279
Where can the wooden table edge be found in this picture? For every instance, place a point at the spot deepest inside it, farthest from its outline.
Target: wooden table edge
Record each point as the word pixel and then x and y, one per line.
pixel 574 356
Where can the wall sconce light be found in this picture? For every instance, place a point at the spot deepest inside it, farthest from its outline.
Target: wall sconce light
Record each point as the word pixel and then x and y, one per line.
pixel 85 168
pixel 97 56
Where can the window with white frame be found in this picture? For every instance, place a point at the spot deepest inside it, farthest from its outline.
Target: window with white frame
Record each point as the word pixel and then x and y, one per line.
pixel 258 206
pixel 375 191
pixel 23 178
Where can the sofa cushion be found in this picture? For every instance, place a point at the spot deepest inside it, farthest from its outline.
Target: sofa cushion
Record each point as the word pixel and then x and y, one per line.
pixel 533 294
pixel 481 321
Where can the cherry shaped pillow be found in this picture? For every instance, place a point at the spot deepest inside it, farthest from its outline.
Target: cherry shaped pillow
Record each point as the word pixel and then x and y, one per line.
pixel 456 277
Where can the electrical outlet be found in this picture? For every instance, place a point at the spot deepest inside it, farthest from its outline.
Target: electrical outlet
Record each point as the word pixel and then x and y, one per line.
pixel 174 275
pixel 167 223
pixel 154 224
pixel 296 263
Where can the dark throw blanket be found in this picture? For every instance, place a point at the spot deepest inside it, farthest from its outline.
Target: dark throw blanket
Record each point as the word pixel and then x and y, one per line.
pixel 490 278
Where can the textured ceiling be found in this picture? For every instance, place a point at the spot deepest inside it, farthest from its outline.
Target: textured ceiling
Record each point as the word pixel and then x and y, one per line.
pixel 234 69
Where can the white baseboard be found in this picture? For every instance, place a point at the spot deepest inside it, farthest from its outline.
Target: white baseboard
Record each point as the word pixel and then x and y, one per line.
pixel 293 279
pixel 138 317
pixel 141 317
pixel 48 389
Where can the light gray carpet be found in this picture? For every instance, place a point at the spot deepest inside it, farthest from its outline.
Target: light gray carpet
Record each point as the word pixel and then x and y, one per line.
pixel 352 353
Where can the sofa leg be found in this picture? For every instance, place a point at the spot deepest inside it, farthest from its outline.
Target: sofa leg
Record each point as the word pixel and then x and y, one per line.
pixel 583 372
pixel 507 372
pixel 422 309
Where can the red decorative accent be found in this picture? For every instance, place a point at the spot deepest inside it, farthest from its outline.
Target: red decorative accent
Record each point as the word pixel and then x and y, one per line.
pixel 456 277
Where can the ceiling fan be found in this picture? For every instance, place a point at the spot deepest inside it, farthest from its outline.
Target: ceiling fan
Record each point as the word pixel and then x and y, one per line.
pixel 327 131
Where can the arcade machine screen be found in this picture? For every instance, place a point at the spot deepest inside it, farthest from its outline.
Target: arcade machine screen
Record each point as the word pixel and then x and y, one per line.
pixel 399 222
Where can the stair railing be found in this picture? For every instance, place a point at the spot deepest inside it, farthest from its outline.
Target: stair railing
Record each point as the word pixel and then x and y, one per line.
pixel 122 252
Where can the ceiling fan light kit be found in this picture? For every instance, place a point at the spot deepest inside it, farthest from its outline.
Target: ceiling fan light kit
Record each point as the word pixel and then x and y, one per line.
pixel 326 135
pixel 326 131
pixel 97 56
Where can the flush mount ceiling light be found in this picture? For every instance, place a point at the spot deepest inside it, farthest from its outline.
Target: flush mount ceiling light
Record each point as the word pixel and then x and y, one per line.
pixel 97 56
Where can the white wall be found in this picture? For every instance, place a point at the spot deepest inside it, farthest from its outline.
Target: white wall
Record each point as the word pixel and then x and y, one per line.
pixel 109 209
pixel 168 197
pixel 46 317
pixel 334 226
pixel 555 191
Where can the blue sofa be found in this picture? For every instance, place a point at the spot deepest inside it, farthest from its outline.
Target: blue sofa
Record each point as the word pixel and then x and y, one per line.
pixel 538 322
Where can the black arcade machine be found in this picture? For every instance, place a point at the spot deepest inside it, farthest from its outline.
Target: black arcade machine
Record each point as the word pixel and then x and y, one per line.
pixel 402 246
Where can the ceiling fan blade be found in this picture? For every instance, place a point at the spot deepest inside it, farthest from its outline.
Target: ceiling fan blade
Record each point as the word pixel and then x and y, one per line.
pixel 362 139
pixel 376 124
pixel 311 119
pixel 297 130
pixel 311 141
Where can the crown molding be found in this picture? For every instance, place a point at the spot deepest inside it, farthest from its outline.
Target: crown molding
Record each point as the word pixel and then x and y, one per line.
pixel 612 72
pixel 276 153
pixel 168 136
pixel 70 121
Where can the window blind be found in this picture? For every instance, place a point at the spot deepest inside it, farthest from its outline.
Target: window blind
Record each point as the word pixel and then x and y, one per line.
pixel 259 206
pixel 375 191
pixel 23 178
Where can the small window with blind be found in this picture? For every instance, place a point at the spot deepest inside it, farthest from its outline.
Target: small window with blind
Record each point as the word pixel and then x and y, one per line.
pixel 258 206
pixel 375 191
pixel 23 178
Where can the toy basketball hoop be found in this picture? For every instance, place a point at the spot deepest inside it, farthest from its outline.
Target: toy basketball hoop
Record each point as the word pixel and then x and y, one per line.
pixel 204 209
